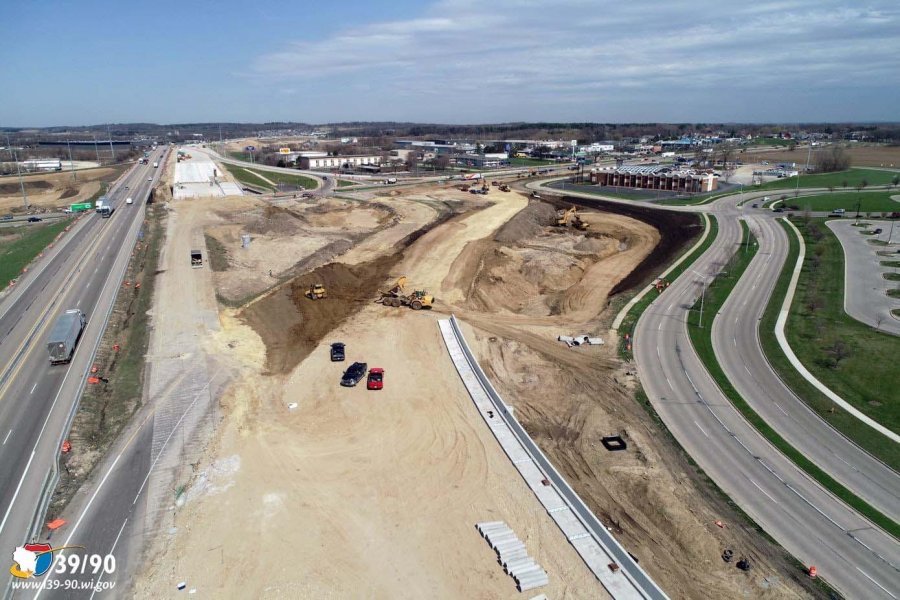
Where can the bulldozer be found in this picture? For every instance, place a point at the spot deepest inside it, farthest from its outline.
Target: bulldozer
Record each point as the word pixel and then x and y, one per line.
pixel 570 217
pixel 316 292
pixel 397 296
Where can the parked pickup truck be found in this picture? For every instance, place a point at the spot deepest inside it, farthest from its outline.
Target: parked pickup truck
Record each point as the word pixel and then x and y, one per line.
pixel 65 335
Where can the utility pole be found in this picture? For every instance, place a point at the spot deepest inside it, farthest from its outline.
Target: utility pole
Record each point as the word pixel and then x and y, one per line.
pixel 18 172
pixel 808 155
pixel 702 297
pixel 111 149
pixel 71 164
pixel 96 149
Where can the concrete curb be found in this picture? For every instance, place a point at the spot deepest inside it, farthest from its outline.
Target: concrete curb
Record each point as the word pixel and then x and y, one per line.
pixel 622 313
pixel 795 362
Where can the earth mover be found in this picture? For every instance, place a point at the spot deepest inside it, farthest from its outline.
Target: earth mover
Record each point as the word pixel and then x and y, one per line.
pixel 570 217
pixel 397 296
pixel 316 292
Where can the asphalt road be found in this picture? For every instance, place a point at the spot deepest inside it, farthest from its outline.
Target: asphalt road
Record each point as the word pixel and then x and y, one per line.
pixel 865 289
pixel 740 354
pixel 860 560
pixel 37 400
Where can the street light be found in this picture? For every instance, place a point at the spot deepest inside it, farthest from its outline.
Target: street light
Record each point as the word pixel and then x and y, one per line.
pixel 702 295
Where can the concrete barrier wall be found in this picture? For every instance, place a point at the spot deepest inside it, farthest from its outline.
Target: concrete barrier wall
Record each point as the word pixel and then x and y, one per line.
pixel 644 584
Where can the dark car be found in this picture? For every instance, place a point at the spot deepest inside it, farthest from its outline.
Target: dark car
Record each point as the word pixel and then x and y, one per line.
pixel 337 352
pixel 354 374
pixel 6 218
pixel 877 231
pixel 34 219
pixel 778 210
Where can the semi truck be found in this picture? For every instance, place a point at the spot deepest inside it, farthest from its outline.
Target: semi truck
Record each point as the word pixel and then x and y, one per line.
pixel 65 335
pixel 106 211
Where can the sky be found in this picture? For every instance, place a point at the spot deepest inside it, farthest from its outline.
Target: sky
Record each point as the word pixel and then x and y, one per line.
pixel 448 61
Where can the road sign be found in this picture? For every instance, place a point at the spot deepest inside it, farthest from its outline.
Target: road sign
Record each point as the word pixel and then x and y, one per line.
pixel 249 148
pixel 284 151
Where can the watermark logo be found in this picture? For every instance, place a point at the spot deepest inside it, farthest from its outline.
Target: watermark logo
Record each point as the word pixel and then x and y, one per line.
pixel 34 560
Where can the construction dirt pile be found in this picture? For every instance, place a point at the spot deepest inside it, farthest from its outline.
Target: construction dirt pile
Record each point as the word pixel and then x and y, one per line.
pixel 56 190
pixel 380 491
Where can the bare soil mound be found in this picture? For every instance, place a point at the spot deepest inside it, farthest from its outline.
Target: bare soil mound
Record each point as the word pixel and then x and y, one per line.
pixel 291 325
pixel 527 223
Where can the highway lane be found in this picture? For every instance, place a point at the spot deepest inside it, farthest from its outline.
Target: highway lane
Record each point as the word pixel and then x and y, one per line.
pixel 813 525
pixel 37 399
pixel 865 289
pixel 738 349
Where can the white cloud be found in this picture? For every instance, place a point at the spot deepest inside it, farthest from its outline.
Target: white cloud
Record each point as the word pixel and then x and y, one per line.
pixel 586 53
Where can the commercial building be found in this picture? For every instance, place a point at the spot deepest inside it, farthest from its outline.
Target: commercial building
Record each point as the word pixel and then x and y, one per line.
pixel 655 177
pixel 337 162
pixel 483 161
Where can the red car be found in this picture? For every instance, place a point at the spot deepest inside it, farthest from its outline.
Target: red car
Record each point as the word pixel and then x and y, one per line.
pixel 376 379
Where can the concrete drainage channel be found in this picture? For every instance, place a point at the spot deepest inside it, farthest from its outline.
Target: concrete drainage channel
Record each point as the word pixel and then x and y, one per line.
pixel 616 570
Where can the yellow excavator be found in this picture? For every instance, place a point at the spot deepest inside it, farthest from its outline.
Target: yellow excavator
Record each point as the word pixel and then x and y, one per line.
pixel 397 296
pixel 570 217
pixel 316 292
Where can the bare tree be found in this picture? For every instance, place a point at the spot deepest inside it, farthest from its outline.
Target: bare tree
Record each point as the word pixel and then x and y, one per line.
pixel 835 159
pixel 838 351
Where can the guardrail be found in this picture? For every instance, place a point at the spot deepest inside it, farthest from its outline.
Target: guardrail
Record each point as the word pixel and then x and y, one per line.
pixel 641 582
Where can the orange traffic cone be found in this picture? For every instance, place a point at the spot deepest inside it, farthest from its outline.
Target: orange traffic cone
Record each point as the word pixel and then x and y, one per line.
pixel 66 447
pixel 813 572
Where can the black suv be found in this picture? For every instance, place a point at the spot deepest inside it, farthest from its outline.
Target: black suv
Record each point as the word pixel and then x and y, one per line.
pixel 354 374
pixel 337 352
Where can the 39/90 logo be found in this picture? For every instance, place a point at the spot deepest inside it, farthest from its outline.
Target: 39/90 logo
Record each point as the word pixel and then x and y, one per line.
pixel 80 564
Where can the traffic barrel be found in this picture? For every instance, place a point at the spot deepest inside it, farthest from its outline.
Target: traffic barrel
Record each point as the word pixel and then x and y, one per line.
pixel 813 572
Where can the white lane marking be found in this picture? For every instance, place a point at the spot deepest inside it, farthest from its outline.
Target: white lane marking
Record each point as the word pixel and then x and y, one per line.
pixel 875 582
pixel 734 339
pixel 779 407
pixel 7 436
pixel 96 269
pixel 18 489
pixel 701 429
pixel 670 383
pixel 763 491
pixel 111 551
pixel 32 388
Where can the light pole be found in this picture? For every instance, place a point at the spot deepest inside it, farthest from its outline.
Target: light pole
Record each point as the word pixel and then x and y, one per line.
pixel 702 295
pixel 71 164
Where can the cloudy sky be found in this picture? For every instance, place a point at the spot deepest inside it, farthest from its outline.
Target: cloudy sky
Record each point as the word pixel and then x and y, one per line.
pixel 451 61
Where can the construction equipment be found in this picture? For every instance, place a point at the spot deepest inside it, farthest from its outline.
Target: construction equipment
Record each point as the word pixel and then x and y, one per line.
pixel 316 292
pixel 196 259
pixel 397 296
pixel 570 217
pixel 504 188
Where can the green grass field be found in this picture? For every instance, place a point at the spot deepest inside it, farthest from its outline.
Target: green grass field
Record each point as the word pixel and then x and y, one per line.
pixel 869 202
pixel 345 183
pixel 851 178
pixel 529 162
pixel 257 177
pixel 701 338
pixel 869 377
pixel 765 141
pixel 19 248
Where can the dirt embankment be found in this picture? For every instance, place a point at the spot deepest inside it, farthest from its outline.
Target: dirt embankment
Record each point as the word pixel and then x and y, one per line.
pixel 676 230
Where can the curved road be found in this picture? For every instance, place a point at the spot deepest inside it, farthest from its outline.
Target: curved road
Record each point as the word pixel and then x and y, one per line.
pixel 859 559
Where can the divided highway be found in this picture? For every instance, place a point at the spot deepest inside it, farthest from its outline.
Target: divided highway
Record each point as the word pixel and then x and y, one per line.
pixel 37 400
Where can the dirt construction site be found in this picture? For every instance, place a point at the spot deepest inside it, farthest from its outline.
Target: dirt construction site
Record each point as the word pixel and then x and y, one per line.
pixel 310 489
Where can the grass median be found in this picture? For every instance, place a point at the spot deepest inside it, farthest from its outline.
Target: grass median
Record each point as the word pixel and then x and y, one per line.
pixel 265 179
pixel 20 245
pixel 631 318
pixel 839 179
pixel 701 339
